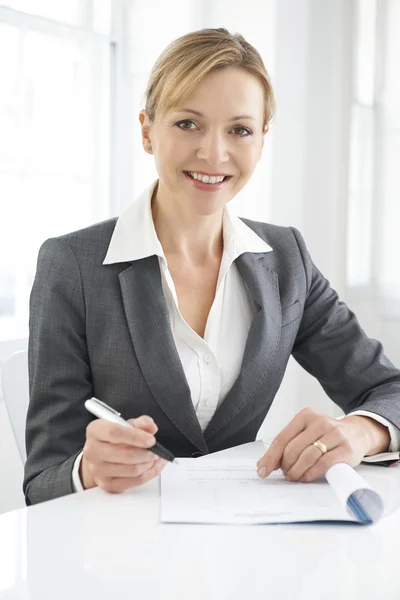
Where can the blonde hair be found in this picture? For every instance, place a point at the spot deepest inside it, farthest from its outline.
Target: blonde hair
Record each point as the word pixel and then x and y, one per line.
pixel 188 59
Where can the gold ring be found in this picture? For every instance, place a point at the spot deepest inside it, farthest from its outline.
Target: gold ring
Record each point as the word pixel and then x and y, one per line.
pixel 321 446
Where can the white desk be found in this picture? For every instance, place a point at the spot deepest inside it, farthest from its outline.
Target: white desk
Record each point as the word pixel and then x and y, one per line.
pixel 100 546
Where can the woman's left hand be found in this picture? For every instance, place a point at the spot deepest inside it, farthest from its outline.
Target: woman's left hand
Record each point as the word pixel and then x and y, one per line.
pixel 347 440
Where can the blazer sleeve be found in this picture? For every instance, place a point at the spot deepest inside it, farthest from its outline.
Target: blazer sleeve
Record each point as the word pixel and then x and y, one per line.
pixel 59 374
pixel 331 345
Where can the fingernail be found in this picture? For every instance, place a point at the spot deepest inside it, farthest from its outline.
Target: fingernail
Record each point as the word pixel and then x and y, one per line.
pixel 149 442
pixel 262 472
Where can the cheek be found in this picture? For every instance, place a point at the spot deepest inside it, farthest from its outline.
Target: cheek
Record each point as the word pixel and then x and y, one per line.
pixel 165 159
pixel 249 157
pixel 170 153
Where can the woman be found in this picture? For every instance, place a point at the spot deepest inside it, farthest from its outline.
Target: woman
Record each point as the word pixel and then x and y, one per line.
pixel 183 317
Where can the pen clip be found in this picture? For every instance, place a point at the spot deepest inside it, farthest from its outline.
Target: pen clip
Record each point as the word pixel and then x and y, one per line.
pixel 104 405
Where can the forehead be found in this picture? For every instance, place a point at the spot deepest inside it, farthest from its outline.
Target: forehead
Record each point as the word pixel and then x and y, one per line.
pixel 227 92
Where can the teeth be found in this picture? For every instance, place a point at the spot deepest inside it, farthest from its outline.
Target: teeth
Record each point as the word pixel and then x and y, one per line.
pixel 207 178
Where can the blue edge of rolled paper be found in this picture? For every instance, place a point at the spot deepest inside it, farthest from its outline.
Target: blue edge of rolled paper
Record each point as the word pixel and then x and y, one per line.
pixel 358 510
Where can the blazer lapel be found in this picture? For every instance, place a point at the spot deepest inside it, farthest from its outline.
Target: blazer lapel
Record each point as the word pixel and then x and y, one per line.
pixel 148 321
pixel 262 342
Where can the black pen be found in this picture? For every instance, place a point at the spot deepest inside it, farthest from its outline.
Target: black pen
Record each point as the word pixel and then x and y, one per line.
pixel 103 411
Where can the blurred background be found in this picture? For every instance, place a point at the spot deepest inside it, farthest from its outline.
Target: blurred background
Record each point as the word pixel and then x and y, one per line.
pixel 72 78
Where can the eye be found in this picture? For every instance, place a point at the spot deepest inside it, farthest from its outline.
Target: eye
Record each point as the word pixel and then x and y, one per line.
pixel 182 124
pixel 246 131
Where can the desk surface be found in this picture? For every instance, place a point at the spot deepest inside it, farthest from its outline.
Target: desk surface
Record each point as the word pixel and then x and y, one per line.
pixel 100 546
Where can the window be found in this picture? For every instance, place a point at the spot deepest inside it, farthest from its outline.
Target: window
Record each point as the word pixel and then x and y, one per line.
pixel 374 208
pixel 388 108
pixel 55 61
pixel 361 180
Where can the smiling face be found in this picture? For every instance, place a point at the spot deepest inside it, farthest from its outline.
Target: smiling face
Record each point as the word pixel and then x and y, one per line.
pixel 218 132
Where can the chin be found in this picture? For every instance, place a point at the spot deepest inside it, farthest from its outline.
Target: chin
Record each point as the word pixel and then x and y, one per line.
pixel 210 208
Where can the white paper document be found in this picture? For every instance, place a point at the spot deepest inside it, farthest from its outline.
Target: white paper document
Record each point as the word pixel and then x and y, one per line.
pixel 224 488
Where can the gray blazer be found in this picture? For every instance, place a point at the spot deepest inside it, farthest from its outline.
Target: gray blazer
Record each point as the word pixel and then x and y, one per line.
pixel 103 330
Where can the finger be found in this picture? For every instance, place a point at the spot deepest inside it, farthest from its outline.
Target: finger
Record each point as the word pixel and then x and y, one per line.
pixel 114 433
pixel 336 440
pixel 117 453
pixel 312 455
pixel 315 431
pixel 118 485
pixel 272 458
pixel 307 459
pixel 145 423
pixel 111 470
pixel 338 455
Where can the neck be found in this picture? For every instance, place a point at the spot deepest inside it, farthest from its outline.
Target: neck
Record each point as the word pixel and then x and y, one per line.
pixel 195 239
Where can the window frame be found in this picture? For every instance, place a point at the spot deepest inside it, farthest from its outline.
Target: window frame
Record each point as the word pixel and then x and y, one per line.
pixel 119 114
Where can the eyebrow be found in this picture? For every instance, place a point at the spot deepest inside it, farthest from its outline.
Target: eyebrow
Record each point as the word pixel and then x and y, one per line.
pixel 199 114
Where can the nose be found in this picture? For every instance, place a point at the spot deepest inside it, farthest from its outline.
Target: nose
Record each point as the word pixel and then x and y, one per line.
pixel 213 149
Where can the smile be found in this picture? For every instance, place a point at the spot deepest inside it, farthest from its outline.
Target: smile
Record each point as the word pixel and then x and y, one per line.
pixel 205 182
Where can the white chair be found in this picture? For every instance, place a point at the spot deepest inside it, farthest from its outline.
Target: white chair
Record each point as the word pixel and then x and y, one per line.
pixel 15 385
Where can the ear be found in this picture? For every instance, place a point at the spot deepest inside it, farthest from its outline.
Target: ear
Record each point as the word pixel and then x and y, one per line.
pixel 145 125
pixel 266 128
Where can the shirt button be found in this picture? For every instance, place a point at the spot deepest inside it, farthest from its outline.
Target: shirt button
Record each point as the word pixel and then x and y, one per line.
pixel 207 357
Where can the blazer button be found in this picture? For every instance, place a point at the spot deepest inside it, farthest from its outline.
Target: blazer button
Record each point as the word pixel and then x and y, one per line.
pixel 196 454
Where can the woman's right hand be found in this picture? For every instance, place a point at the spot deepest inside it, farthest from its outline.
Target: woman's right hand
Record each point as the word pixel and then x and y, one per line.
pixel 115 458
